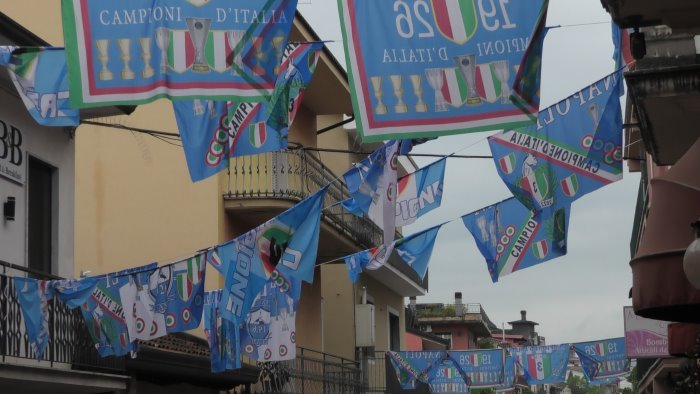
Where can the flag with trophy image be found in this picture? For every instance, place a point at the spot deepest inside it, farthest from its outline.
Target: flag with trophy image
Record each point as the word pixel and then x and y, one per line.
pixel 438 70
pixel 525 92
pixel 542 364
pixel 511 237
pixel 484 366
pixel 122 53
pixel 223 336
pixel 575 149
pixel 41 79
pixel 222 130
pixel 603 359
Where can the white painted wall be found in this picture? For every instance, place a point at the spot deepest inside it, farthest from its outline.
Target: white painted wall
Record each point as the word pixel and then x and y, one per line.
pixel 56 147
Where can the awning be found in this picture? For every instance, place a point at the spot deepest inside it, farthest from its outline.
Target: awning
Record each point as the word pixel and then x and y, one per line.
pixel 660 289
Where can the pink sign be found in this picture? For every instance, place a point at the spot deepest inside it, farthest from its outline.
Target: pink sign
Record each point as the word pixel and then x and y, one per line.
pixel 645 337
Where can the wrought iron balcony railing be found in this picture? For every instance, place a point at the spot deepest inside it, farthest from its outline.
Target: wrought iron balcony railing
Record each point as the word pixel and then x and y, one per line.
pixel 69 341
pixel 312 372
pixel 294 175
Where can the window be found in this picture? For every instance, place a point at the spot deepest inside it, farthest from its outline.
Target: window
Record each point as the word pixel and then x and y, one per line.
pixel 40 215
pixel 394 332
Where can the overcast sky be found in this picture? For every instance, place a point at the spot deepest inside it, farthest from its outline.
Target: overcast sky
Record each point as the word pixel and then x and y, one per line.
pixel 578 297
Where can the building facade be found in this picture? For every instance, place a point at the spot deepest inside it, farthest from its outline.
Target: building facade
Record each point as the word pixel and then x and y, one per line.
pixel 135 203
pixel 662 116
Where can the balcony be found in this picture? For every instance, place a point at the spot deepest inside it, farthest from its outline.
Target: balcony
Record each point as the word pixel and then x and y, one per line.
pixel 681 15
pixel 69 364
pixel 262 186
pixel 472 316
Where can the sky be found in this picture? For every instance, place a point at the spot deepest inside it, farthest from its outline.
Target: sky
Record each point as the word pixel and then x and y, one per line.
pixel 577 297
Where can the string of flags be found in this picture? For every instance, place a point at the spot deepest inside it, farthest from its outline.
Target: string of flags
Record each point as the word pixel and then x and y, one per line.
pixel 451 371
pixel 237 84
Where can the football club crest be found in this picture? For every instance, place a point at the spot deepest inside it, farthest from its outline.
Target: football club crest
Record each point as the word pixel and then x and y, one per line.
pixel 507 163
pixel 258 134
pixel 569 185
pixel 181 51
pixel 271 245
pixel 537 184
pixel 454 88
pixel 456 20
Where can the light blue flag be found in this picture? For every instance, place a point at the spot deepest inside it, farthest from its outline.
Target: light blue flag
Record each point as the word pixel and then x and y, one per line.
pixel 372 186
pixel 542 364
pixel 508 374
pixel 413 366
pixel 104 313
pixel 223 335
pixel 34 296
pixel 602 360
pixel 414 249
pixel 511 237
pixel 269 332
pixel 363 179
pixel 204 140
pixel 484 368
pixel 287 243
pixel 526 86
pixel 213 131
pixel 128 52
pixel 41 79
pixel 6 54
pixel 575 149
pixel 417 193
pixel 372 258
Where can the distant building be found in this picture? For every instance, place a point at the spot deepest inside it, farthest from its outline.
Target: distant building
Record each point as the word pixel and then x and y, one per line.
pixel 521 333
pixel 459 323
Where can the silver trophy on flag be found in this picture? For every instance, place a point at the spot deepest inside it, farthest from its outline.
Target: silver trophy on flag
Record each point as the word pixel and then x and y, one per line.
pixel 199 32
pixel 500 67
pixel 234 39
pixel 467 65
pixel 436 80
pixel 163 42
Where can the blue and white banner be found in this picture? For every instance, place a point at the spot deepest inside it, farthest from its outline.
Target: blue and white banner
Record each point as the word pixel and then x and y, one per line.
pixel 166 300
pixel 269 332
pixel 508 375
pixel 484 368
pixel 448 376
pixel 542 364
pixel 372 185
pixel 604 359
pixel 34 296
pixel 104 313
pixel 435 67
pixel 511 237
pixel 282 249
pixel 415 250
pixel 575 148
pixel 40 76
pixel 223 335
pixel 419 193
pixel 133 52
pixel 412 366
pixel 213 131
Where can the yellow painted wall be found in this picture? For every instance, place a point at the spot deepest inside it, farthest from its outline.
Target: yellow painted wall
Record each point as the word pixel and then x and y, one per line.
pixel 308 322
pixel 338 311
pixel 338 139
pixel 383 298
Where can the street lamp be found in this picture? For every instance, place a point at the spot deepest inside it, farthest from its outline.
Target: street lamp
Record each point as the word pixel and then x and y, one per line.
pixel 691 259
